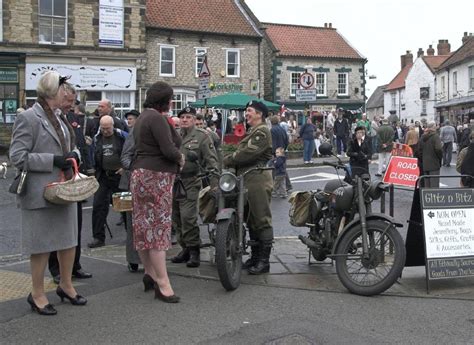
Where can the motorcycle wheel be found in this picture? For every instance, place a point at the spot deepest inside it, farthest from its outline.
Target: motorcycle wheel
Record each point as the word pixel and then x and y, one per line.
pixel 386 260
pixel 228 254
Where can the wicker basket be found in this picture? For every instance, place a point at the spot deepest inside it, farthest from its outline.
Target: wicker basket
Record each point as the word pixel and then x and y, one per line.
pixel 79 188
pixel 122 202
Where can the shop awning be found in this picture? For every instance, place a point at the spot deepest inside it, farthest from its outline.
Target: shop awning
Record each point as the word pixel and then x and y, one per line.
pixel 455 101
pixel 233 101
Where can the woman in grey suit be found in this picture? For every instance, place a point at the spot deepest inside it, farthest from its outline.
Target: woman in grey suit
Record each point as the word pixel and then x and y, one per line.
pixel 42 141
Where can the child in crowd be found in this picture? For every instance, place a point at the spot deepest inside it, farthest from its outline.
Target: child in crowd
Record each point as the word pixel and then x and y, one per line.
pixel 279 184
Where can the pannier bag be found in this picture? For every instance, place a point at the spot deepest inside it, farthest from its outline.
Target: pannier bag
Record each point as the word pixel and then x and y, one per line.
pixel 207 205
pixel 300 208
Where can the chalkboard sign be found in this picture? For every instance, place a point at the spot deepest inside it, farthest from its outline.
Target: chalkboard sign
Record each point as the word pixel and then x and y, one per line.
pixel 448 218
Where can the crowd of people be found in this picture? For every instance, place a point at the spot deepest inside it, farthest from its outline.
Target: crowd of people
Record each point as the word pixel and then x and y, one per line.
pixel 147 156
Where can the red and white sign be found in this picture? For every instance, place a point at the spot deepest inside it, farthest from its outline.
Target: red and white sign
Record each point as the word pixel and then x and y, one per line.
pixel 306 80
pixel 204 72
pixel 402 171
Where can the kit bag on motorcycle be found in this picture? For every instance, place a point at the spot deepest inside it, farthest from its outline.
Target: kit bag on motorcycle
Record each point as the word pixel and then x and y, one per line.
pixel 300 208
pixel 207 205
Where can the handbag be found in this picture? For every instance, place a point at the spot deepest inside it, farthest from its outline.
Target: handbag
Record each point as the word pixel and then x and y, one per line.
pixel 18 185
pixel 78 188
pixel 179 191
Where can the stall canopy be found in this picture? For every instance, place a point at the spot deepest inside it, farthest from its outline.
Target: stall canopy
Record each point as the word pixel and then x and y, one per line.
pixel 232 101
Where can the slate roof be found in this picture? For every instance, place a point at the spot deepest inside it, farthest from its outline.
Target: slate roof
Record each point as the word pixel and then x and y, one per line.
pixel 376 99
pixel 309 41
pixel 209 16
pixel 434 61
pixel 399 81
pixel 465 52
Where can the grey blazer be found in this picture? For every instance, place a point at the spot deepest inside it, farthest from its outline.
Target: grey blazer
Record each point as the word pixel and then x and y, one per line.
pixel 35 141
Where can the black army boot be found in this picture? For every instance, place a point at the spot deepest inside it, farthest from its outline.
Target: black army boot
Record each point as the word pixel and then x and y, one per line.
pixel 254 255
pixel 263 263
pixel 183 256
pixel 194 257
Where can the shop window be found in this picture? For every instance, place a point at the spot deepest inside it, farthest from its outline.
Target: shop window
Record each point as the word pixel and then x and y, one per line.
pixel 52 21
pixel 121 101
pixel 177 103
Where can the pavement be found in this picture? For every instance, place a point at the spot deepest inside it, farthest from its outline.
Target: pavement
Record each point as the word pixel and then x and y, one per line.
pixel 291 268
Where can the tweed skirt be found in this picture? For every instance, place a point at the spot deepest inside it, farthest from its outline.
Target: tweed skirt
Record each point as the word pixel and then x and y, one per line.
pixel 46 230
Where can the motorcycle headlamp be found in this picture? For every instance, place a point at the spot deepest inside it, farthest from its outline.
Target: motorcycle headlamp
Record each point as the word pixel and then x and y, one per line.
pixel 227 182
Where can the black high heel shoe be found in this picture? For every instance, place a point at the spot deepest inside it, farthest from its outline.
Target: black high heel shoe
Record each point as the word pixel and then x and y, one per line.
pixel 78 300
pixel 148 282
pixel 48 309
pixel 167 299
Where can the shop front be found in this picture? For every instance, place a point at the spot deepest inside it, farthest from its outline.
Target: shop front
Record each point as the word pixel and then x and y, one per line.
pixel 9 94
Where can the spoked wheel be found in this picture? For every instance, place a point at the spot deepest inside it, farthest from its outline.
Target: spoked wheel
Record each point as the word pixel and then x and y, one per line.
pixel 228 254
pixel 384 264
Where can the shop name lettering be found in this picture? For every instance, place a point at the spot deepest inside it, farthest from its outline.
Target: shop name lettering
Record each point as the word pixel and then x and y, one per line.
pixel 226 86
pixel 441 198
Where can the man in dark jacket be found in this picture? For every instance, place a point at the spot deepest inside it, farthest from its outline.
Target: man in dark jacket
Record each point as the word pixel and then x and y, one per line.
pixel 108 170
pixel 385 136
pixel 279 136
pixel 431 151
pixel 341 130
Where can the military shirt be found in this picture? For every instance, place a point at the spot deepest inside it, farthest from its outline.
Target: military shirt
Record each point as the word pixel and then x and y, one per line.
pixel 199 141
pixel 254 150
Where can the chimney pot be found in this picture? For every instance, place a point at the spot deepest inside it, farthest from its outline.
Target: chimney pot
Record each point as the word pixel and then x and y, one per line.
pixel 420 52
pixel 430 51
pixel 466 37
pixel 330 25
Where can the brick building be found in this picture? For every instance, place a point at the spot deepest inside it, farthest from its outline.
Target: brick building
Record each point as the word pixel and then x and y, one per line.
pixel 100 43
pixel 337 68
pixel 180 32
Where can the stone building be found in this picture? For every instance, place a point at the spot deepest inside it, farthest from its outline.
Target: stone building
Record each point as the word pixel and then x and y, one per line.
pixel 337 68
pixel 179 33
pixel 99 43
pixel 375 106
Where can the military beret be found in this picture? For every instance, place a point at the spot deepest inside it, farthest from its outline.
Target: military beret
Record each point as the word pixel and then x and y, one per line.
pixel 258 106
pixel 187 110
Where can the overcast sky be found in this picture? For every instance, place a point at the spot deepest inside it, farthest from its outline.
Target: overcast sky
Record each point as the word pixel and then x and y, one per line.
pixel 381 30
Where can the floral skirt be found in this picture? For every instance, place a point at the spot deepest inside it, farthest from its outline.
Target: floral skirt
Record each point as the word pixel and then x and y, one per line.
pixel 152 203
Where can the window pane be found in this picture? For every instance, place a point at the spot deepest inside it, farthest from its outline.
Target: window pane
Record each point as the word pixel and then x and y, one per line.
pixel 59 8
pixel 167 54
pixel 2 88
pixel 231 70
pixel 10 91
pixel 94 95
pixel 166 67
pixel 232 57
pixel 45 29
pixel 46 7
pixel 59 30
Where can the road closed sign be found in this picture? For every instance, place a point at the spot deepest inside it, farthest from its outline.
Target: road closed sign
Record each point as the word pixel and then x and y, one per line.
pixel 402 171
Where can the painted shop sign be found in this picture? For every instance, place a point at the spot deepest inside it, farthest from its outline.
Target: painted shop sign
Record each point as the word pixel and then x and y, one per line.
pixel 448 215
pixel 8 75
pixel 86 77
pixel 226 86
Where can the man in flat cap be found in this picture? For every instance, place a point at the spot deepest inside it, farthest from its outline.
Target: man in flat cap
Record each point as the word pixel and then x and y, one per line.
pixel 255 150
pixel 185 212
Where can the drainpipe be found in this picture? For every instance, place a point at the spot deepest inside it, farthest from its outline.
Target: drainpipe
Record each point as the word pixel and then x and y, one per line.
pixel 260 83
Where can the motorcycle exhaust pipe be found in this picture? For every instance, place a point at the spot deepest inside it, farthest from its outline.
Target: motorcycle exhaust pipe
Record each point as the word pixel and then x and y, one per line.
pixel 309 242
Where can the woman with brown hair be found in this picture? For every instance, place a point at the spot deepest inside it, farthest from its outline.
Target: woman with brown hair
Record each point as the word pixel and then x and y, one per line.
pixel 157 161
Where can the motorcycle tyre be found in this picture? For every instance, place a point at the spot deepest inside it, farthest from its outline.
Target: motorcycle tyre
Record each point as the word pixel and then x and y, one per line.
pixel 390 278
pixel 229 275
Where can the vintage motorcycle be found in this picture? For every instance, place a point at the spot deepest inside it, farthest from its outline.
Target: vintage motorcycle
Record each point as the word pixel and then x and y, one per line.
pixel 368 250
pixel 229 234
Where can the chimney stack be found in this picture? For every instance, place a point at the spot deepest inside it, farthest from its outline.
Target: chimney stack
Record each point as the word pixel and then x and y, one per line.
pixel 420 52
pixel 330 25
pixel 466 37
pixel 444 48
pixel 430 51
pixel 325 25
pixel 406 59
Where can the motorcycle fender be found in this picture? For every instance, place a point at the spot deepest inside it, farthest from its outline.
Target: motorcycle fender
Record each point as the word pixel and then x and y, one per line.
pixel 356 221
pixel 225 213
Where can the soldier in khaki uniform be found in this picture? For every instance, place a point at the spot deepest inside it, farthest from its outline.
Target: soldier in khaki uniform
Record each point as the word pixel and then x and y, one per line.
pixel 256 150
pixel 185 212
